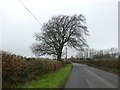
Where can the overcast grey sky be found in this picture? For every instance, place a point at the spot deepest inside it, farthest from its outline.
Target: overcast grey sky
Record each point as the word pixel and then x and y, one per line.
pixel 17 26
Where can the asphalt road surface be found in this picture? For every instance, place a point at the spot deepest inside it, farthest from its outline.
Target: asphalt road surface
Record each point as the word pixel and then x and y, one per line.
pixel 83 76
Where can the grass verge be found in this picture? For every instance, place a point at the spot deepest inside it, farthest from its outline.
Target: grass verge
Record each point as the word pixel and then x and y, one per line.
pixel 51 80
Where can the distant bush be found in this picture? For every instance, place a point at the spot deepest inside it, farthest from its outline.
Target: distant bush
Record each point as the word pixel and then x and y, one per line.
pixel 68 61
pixel 18 69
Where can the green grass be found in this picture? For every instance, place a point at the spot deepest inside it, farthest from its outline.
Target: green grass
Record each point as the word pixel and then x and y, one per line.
pixel 51 80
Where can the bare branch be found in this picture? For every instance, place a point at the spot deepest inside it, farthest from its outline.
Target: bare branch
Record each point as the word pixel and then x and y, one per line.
pixel 60 31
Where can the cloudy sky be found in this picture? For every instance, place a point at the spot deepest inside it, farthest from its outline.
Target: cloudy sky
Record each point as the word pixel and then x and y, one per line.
pixel 17 25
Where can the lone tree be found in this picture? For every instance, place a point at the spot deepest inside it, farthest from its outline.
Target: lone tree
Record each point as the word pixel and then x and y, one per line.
pixel 61 31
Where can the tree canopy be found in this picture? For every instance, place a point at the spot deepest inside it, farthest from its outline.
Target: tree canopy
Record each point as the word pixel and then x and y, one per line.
pixel 60 31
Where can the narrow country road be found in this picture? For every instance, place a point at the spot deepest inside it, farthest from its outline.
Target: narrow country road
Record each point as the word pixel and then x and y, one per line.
pixel 83 76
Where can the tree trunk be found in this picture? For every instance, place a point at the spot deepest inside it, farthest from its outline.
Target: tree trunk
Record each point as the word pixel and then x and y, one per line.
pixel 59 57
pixel 59 54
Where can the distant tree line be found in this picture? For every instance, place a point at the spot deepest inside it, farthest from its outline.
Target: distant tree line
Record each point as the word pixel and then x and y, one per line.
pixel 106 54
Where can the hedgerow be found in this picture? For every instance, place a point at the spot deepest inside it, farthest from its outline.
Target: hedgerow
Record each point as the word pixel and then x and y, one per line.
pixel 107 65
pixel 19 70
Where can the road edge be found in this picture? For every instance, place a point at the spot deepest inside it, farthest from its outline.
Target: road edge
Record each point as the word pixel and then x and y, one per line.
pixel 62 86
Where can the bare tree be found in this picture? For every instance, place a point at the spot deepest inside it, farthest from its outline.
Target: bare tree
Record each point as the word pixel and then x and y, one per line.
pixel 114 52
pixel 61 31
pixel 80 54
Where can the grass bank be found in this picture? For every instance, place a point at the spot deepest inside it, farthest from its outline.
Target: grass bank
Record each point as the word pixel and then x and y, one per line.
pixel 50 80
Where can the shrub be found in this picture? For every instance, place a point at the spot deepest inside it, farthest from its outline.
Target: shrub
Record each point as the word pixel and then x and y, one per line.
pixel 18 69
pixel 11 68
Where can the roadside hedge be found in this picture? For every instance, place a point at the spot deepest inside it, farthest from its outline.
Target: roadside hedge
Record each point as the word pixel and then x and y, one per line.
pixel 107 65
pixel 18 69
